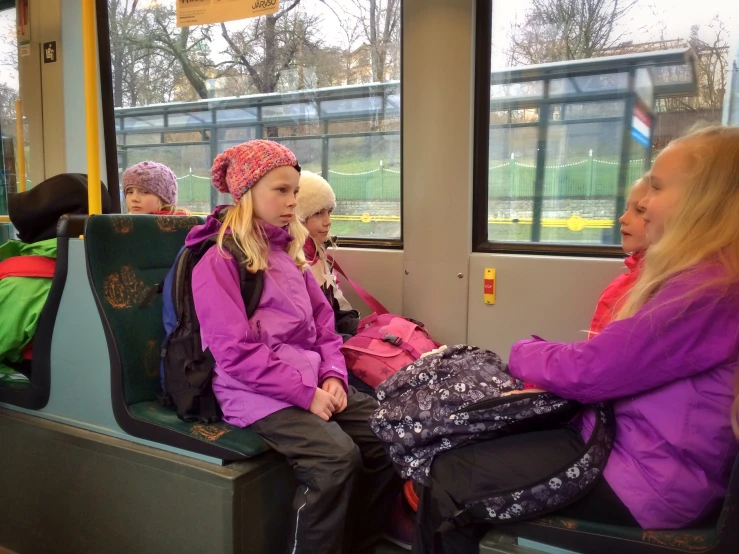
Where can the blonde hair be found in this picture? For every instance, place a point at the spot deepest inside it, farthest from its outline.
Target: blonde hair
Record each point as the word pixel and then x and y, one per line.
pixel 171 209
pixel 250 239
pixel 704 227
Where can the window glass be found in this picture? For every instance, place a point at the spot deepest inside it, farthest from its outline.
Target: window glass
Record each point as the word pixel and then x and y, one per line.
pixel 327 86
pixel 9 93
pixel 576 117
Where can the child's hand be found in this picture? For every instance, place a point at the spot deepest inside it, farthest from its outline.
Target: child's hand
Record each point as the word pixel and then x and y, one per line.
pixel 324 404
pixel 335 388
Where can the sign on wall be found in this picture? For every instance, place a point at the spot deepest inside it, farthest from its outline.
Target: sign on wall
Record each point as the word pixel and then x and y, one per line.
pixel 205 12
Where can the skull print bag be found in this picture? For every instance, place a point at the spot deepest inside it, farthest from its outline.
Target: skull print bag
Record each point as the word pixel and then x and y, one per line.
pixel 464 395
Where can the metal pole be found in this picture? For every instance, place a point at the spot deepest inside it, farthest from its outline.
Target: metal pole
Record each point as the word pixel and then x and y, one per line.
pixel 94 200
pixel 21 154
pixel 541 158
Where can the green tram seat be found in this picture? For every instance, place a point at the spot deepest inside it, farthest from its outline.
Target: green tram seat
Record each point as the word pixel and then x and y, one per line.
pixel 719 535
pixel 34 393
pixel 126 257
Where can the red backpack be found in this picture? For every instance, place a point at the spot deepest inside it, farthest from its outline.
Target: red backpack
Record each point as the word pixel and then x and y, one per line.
pixel 384 342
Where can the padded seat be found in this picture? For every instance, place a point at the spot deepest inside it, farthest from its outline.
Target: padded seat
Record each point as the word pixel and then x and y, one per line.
pixel 236 439
pixel 126 257
pixel 721 536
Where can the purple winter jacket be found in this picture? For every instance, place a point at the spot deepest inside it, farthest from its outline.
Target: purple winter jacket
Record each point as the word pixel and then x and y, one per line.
pixel 669 370
pixel 287 349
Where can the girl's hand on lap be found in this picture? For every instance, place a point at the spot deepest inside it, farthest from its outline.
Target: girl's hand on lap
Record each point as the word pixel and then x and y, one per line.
pixel 324 404
pixel 335 388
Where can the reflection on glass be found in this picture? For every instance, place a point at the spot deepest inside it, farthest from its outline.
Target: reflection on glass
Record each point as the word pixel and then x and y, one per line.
pixel 236 114
pixel 298 111
pixel 143 121
pixel 529 89
pixel 192 118
pixel 608 82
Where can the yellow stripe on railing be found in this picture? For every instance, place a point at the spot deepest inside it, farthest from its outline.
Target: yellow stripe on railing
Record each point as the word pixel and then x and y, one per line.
pixel 573 223
pixel 91 107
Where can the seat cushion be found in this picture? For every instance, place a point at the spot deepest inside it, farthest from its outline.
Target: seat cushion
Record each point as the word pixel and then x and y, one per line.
pixel 237 439
pixel 689 540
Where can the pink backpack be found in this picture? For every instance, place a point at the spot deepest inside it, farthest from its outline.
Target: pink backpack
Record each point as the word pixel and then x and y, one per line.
pixel 384 342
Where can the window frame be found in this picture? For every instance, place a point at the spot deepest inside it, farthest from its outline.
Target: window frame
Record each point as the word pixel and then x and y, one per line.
pixel 481 131
pixel 110 131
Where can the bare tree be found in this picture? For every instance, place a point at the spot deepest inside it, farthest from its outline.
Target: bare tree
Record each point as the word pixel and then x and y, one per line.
pixel 190 48
pixel 120 15
pixel 711 73
pixel 380 24
pixel 268 46
pixel 555 30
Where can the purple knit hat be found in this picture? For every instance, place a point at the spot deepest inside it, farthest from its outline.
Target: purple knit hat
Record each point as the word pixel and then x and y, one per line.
pixel 239 168
pixel 152 176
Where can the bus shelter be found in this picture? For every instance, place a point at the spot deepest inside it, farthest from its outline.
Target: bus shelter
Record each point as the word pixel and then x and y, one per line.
pixel 570 137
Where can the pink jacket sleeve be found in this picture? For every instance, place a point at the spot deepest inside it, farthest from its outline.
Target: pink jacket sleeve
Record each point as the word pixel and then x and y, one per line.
pixel 328 342
pixel 225 329
pixel 674 336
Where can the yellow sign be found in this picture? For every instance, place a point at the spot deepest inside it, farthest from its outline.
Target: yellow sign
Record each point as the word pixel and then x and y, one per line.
pixel 489 286
pixel 205 12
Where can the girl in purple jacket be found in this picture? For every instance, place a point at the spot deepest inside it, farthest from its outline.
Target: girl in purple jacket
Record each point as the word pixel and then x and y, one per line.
pixel 667 364
pixel 281 372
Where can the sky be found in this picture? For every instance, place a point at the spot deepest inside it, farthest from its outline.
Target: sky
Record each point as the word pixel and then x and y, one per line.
pixel 644 23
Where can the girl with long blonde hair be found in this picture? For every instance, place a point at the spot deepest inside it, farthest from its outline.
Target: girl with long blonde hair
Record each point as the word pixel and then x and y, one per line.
pixel 280 371
pixel 667 364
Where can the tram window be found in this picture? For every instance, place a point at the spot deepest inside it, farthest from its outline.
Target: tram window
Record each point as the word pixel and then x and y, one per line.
pixel 568 123
pixel 330 91
pixel 9 93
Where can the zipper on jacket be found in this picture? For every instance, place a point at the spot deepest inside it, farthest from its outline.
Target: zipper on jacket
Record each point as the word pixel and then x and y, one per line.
pixel 259 330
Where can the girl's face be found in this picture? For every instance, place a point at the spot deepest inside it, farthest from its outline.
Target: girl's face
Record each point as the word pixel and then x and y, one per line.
pixel 275 196
pixel 666 188
pixel 141 201
pixel 319 225
pixel 633 234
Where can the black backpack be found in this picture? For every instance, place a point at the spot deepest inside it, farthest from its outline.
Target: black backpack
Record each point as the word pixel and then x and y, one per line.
pixel 187 369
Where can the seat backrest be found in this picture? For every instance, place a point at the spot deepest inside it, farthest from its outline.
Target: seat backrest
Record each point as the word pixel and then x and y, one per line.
pixel 34 394
pixel 126 257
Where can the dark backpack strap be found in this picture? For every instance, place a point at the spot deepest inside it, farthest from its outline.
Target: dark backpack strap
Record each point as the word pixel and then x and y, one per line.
pixel 251 284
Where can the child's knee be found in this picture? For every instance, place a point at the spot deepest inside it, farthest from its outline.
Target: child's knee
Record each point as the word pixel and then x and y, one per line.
pixel 342 463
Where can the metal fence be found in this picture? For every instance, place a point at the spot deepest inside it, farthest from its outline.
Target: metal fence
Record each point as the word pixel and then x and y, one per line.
pixel 588 178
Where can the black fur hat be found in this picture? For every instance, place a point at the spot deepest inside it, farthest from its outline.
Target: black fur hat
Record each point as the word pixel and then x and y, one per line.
pixel 35 213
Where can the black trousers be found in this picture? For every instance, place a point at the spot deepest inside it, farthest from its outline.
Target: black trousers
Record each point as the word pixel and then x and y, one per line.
pixel 472 472
pixel 346 482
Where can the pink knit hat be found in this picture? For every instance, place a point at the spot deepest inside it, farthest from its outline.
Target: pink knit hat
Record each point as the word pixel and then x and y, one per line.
pixel 239 168
pixel 152 176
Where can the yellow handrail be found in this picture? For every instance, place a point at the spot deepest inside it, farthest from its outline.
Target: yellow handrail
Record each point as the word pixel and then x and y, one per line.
pixel 21 156
pixel 4 219
pixel 91 107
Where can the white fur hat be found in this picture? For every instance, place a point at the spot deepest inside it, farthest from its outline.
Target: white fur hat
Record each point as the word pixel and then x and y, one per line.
pixel 315 195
